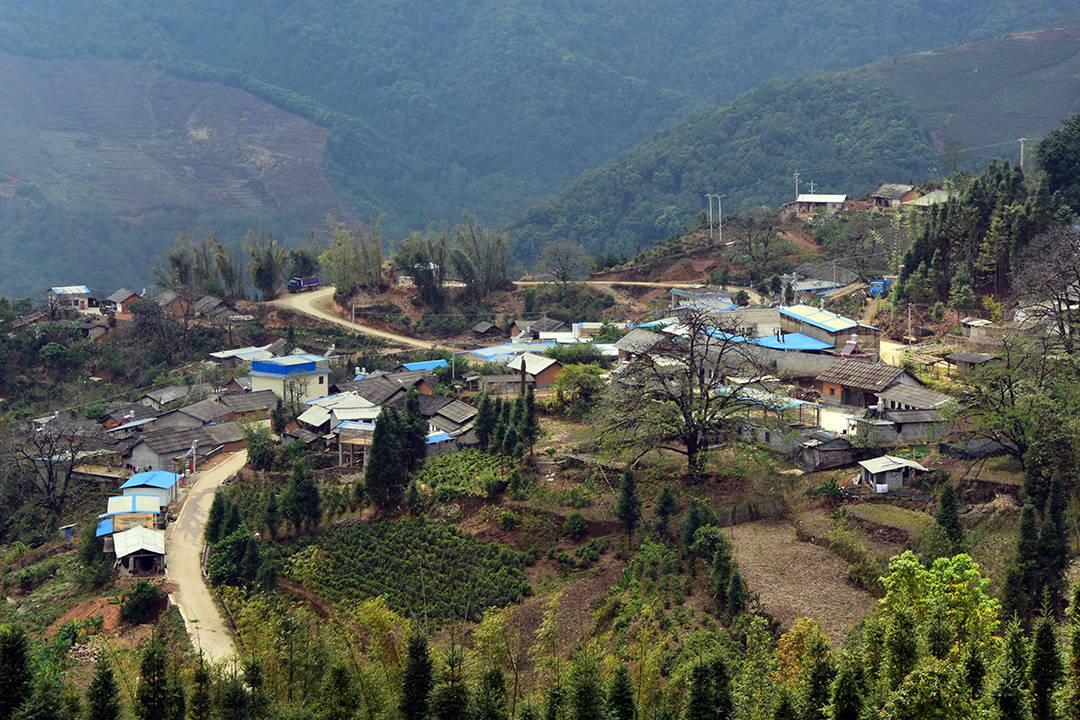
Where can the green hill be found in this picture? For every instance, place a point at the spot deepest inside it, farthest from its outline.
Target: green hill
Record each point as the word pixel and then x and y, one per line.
pixel 847 132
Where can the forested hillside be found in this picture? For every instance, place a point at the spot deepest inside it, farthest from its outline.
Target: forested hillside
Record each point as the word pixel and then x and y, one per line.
pixel 482 105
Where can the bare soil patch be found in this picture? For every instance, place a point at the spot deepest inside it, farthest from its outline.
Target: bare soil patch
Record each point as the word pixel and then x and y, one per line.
pixel 796 579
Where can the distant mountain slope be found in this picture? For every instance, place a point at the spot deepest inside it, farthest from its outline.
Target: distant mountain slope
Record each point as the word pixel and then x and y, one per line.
pixel 886 122
pixel 105 161
pixel 488 104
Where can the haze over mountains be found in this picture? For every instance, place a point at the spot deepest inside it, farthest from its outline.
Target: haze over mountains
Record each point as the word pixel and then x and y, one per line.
pixel 429 111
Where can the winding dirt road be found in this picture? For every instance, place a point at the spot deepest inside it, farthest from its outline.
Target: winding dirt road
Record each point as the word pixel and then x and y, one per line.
pixel 314 303
pixel 183 549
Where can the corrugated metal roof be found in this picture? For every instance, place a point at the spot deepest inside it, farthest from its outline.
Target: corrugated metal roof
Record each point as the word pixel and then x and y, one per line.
pixel 155 478
pixel 122 504
pixel 137 539
pixel 819 318
pixel 429 365
pixel 71 290
pixel 105 527
pixel 888 462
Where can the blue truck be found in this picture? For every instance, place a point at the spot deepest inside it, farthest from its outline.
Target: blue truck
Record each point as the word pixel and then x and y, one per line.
pixel 880 288
pixel 300 284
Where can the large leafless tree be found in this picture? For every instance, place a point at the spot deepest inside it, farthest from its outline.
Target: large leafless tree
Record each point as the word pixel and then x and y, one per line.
pixel 1047 284
pixel 682 395
pixel 46 454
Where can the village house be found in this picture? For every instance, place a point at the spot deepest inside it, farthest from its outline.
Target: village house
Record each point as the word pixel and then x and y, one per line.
pixel 203 412
pixel 139 551
pixel 121 301
pixel 967 362
pixel 857 383
pixel 127 511
pixel 243 407
pixel 809 203
pixel 543 369
pixel 828 327
pixel 890 195
pixel 162 485
pixel 70 297
pixel 533 328
pixel 127 414
pixel 293 377
pixel 160 398
pixel 888 473
pixel 485 329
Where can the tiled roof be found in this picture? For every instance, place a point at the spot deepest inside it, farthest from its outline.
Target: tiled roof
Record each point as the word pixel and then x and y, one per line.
pixel 861 375
pixel 917 398
pixel 249 402
pixel 968 357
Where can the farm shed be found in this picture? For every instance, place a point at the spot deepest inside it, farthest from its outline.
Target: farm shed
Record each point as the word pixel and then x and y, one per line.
pixel 888 473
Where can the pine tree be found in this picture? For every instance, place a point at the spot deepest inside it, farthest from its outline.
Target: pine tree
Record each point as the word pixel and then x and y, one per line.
pixel 45 702
pixel 201 706
pixel 416 678
pixel 153 698
pixel 619 699
pixel 845 694
pixel 490 703
pixel 1023 573
pixel 666 506
pixel 628 506
pixel 948 518
pixel 232 520
pixel 699 694
pixel 940 635
pixel 215 519
pixel 723 701
pixel 498 431
pixel 901 646
pixel 720 574
pixel 820 672
pixel 1071 694
pixel 1053 544
pixel 1008 696
pixel 234 702
pixel 586 693
pixel 279 417
pixel 1047 669
pixel 253 679
pixel 413 502
pixel 531 422
pixel 784 705
pixel 510 441
pixel 449 699
pixel 414 435
pixel 300 501
pixel 736 593
pixel 339 699
pixel 16 673
pixel 271 514
pixel 102 695
pixel 485 419
pixel 973 668
pixel 384 475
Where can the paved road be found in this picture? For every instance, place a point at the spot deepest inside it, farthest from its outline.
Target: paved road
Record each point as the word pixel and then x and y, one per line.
pixel 314 303
pixel 183 548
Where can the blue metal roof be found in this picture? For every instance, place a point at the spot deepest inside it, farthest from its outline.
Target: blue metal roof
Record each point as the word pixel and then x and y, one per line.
pixel 427 365
pixel 155 478
pixel 440 437
pixel 104 528
pixel 793 341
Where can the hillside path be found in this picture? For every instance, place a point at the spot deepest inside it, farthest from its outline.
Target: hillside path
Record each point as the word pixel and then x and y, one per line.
pixel 314 303
pixel 183 548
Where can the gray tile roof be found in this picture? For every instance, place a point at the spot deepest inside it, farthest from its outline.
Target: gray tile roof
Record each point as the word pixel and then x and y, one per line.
pixel 249 402
pixel 861 375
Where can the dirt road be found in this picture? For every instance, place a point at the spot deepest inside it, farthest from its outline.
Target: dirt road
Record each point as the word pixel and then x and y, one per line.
pixel 314 304
pixel 183 548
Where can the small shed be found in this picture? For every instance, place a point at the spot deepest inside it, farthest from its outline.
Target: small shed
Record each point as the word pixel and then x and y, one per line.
pixel 140 551
pixel 888 473
pixel 965 362
pixel 486 329
pixel 159 483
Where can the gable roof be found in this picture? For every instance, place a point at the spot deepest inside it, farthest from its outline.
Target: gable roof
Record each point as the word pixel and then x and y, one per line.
pixel 969 357
pixel 375 389
pixel 429 404
pixel 892 191
pixel 139 538
pixel 888 462
pixel 861 375
pixel 828 272
pixel 532 363
pixel 132 412
pixel 823 319
pixel 917 398
pixel 901 417
pixel 426 366
pixel 155 478
pixel 640 341
pixel 164 396
pixel 544 324
pixel 458 412
pixel 121 295
pixel 249 402
pixel 171 440
pixel 484 326
pixel 207 410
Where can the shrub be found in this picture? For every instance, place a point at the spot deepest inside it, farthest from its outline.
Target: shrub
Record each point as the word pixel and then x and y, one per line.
pixel 575 526
pixel 509 521
pixel 141 603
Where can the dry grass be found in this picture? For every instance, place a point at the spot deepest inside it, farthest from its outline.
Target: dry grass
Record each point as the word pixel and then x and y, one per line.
pixel 909 521
pixel 796 579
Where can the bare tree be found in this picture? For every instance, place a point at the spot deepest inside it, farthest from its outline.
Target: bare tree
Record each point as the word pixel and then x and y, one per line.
pixel 565 260
pixel 758 241
pixel 678 396
pixel 46 453
pixel 1048 282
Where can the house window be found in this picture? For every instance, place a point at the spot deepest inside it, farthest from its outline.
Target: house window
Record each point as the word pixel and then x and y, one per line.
pixel 322 379
pixel 832 391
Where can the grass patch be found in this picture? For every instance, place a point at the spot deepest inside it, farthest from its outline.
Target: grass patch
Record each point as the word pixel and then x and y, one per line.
pixel 909 521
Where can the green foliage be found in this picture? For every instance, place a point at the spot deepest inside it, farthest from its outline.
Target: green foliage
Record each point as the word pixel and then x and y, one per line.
pixel 300 501
pixel 141 603
pixel 736 592
pixel 948 518
pixel 417 678
pixel 464 469
pixel 102 695
pixel 666 506
pixel 509 521
pixel 260 446
pixel 414 558
pixel 628 504
pixel 16 669
pixel 575 526
pixel 384 476
pixel 1059 156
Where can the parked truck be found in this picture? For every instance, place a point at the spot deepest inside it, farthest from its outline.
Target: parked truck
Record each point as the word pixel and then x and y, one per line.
pixel 880 288
pixel 300 284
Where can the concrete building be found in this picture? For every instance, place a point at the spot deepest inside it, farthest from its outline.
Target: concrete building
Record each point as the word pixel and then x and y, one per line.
pixel 294 377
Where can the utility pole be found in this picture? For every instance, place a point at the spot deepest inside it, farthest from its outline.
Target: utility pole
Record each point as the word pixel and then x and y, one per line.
pixel 1022 141
pixel 909 324
pixel 796 184
pixel 811 187
pixel 720 218
pixel 709 198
